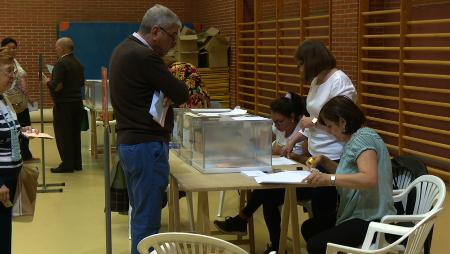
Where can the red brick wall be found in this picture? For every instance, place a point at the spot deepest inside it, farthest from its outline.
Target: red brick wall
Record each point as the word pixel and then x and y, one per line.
pixel 220 14
pixel 33 25
pixel 344 36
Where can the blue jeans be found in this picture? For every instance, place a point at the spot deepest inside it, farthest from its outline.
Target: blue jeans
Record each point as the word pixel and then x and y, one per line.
pixel 146 168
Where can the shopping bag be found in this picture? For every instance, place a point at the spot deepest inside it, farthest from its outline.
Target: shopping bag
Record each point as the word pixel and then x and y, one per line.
pixel 119 193
pixel 84 120
pixel 25 198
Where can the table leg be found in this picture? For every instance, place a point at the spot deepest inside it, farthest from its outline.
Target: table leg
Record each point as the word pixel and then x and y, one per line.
pixel 170 205
pixel 251 226
pixel 203 214
pixel 174 206
pixel 93 133
pixel 294 220
pixel 284 223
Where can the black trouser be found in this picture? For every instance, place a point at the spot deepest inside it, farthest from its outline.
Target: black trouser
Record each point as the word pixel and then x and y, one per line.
pixel 10 180
pixel 66 123
pixel 323 202
pixel 24 120
pixel 320 231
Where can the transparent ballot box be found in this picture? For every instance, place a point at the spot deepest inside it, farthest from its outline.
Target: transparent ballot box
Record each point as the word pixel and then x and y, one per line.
pixel 93 95
pixel 181 131
pixel 232 144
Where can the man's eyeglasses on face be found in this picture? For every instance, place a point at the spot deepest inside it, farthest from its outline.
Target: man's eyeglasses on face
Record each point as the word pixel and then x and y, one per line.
pixel 12 72
pixel 173 37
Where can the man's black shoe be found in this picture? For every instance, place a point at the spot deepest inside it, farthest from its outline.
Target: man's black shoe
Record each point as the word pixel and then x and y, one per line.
pixel 60 170
pixel 232 225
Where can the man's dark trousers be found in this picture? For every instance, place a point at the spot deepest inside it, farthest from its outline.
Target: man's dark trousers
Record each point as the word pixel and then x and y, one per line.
pixel 66 123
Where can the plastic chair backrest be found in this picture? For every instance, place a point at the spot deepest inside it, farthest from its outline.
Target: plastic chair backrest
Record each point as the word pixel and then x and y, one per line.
pixel 416 237
pixel 179 243
pixel 430 193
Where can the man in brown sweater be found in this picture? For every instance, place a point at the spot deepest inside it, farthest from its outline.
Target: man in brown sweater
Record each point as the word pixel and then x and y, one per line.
pixel 137 71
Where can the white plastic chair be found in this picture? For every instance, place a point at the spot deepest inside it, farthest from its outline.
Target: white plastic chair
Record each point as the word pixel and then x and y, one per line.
pixel 430 196
pixel 179 243
pixel 416 237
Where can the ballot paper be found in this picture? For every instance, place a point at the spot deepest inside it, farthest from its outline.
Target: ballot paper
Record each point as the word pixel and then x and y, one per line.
pixel 157 108
pixel 279 161
pixel 286 177
pixel 34 135
pixel 253 173
pixel 50 68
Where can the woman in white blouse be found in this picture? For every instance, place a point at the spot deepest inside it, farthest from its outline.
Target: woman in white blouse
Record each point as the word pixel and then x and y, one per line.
pixel 319 69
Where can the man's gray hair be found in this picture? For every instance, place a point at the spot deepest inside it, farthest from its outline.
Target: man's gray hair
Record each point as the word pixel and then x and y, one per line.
pixel 158 15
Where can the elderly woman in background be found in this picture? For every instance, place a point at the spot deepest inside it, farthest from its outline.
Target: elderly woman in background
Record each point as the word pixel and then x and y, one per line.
pixel 18 96
pixel 363 178
pixel 11 160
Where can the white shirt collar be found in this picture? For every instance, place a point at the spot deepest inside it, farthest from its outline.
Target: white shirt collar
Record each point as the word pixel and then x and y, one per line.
pixel 141 39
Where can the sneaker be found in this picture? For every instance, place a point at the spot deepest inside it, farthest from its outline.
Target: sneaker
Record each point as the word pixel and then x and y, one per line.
pixel 232 225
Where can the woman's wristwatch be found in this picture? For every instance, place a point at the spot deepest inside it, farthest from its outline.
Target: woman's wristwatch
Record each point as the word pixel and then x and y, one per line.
pixel 333 180
pixel 314 120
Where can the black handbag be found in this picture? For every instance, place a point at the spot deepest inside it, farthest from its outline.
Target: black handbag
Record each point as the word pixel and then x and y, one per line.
pixel 84 120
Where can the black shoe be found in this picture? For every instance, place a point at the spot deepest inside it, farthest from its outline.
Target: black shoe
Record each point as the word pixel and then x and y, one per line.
pixel 164 200
pixel 232 225
pixel 271 248
pixel 60 170
pixel 181 194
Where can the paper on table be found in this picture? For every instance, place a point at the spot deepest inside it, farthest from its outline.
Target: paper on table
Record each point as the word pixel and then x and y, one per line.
pixel 209 114
pixel 157 108
pixel 210 110
pixel 278 161
pixel 293 177
pixel 50 68
pixel 253 173
pixel 248 118
pixel 234 112
pixel 34 135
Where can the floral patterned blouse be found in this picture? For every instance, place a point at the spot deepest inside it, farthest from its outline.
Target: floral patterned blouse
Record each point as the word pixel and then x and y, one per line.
pixel 188 73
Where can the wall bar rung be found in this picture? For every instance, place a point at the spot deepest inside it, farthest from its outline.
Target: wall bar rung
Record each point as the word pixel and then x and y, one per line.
pixel 427 89
pixel 377 36
pixel 428 35
pixel 378 96
pixel 375 24
pixel 381 48
pixel 435 62
pixel 391 110
pixel 382 120
pixel 427 116
pixel 316 27
pixel 266 81
pixel 426 48
pixel 378 84
pixel 426 155
pixel 380 60
pixel 390 134
pixel 368 13
pixel 316 17
pixel 428 21
pixel 427 129
pixel 430 103
pixel 426 75
pixel 386 73
pixel 427 142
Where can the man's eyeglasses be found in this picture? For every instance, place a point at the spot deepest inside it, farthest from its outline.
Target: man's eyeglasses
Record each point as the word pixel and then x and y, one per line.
pixel 173 37
pixel 10 72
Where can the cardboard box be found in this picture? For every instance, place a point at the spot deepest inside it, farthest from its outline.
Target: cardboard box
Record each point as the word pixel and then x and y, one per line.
pixel 187 57
pixel 187 43
pixel 215 52
pixel 203 37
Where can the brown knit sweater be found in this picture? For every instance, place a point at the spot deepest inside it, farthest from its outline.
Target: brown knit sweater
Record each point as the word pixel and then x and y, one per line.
pixel 135 73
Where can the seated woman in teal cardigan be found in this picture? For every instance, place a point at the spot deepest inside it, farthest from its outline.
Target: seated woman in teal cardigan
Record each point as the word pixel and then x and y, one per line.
pixel 363 178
